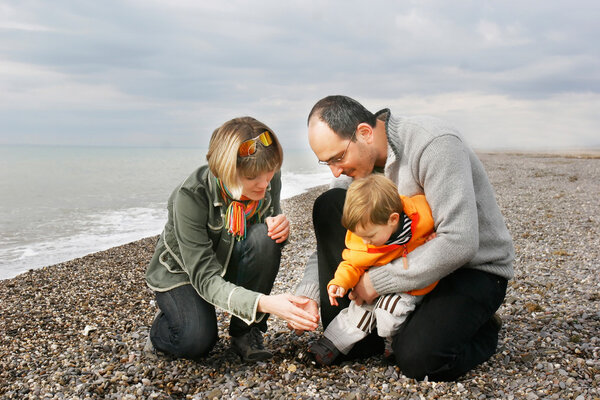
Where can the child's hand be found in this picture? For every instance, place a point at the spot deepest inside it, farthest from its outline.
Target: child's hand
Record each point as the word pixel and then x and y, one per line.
pixel 430 237
pixel 335 291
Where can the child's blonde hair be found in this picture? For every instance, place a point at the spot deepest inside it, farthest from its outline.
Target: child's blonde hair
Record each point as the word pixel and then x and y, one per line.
pixel 223 158
pixel 370 200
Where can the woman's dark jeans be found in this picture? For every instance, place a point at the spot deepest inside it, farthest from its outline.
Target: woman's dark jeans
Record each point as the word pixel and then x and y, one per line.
pixel 448 334
pixel 187 325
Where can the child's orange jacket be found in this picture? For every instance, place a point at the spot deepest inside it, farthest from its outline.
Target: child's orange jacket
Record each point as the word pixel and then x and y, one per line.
pixel 359 256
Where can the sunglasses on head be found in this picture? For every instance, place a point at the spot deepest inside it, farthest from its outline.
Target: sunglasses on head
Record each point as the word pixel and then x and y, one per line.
pixel 248 147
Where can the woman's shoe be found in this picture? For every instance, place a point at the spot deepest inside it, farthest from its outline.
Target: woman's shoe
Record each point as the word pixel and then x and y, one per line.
pixel 249 346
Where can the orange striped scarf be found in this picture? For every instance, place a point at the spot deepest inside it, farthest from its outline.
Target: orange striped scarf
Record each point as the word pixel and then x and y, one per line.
pixel 238 212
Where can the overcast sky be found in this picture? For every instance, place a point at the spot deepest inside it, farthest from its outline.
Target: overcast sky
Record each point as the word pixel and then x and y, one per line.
pixel 509 74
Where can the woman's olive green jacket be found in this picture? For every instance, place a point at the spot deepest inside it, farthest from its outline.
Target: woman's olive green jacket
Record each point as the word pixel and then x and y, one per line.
pixel 195 247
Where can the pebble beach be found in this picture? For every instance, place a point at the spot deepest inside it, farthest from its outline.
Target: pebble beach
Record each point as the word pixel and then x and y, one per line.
pixel 76 330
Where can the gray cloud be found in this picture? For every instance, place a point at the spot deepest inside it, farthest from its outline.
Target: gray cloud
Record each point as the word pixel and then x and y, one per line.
pixel 153 73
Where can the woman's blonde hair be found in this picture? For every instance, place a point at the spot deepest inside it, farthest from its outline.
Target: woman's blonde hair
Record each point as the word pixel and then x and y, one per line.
pixel 224 161
pixel 370 200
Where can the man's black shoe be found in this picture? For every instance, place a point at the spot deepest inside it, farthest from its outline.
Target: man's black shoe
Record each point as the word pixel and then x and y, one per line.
pixel 497 321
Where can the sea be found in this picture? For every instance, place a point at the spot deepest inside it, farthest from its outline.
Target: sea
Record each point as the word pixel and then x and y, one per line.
pixel 59 203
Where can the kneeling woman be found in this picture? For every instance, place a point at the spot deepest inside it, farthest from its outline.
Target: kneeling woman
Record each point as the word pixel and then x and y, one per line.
pixel 221 247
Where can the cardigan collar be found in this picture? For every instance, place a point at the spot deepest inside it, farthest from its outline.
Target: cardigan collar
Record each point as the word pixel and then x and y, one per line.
pixel 392 132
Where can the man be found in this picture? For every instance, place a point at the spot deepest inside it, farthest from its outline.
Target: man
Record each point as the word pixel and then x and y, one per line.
pixel 455 327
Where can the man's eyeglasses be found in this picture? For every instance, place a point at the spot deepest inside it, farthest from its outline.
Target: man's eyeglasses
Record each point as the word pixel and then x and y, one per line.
pixel 248 147
pixel 339 159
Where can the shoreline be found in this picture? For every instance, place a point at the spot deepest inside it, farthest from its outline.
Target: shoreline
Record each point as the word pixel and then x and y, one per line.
pixel 77 328
pixel 563 153
pixel 591 154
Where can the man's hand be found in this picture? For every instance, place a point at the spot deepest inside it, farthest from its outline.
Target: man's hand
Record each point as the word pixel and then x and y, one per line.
pixel 308 305
pixel 431 237
pixel 363 292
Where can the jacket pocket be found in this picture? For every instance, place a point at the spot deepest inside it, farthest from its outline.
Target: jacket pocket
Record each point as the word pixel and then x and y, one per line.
pixel 169 262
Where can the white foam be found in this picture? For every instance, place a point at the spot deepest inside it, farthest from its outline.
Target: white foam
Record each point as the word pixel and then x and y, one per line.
pixel 96 232
pixel 27 252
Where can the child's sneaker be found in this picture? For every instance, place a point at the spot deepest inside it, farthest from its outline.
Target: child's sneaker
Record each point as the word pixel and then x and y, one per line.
pixel 323 351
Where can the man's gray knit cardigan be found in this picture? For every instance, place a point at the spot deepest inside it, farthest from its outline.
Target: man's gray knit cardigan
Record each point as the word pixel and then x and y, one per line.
pixel 429 157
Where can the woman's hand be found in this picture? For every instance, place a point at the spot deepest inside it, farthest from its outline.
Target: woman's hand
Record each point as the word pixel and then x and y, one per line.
pixel 278 228
pixel 308 305
pixel 295 310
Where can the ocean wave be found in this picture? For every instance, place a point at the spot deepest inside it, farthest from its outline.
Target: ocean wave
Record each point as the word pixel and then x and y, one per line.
pixel 294 183
pixel 73 233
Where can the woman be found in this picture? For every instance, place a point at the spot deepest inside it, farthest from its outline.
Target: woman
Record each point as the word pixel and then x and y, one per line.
pixel 221 247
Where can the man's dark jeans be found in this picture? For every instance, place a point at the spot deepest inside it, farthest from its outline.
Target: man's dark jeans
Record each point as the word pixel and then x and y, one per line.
pixel 187 324
pixel 448 334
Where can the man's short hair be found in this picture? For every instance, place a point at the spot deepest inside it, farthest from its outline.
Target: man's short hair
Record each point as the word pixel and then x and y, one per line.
pixel 342 114
pixel 223 158
pixel 370 200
